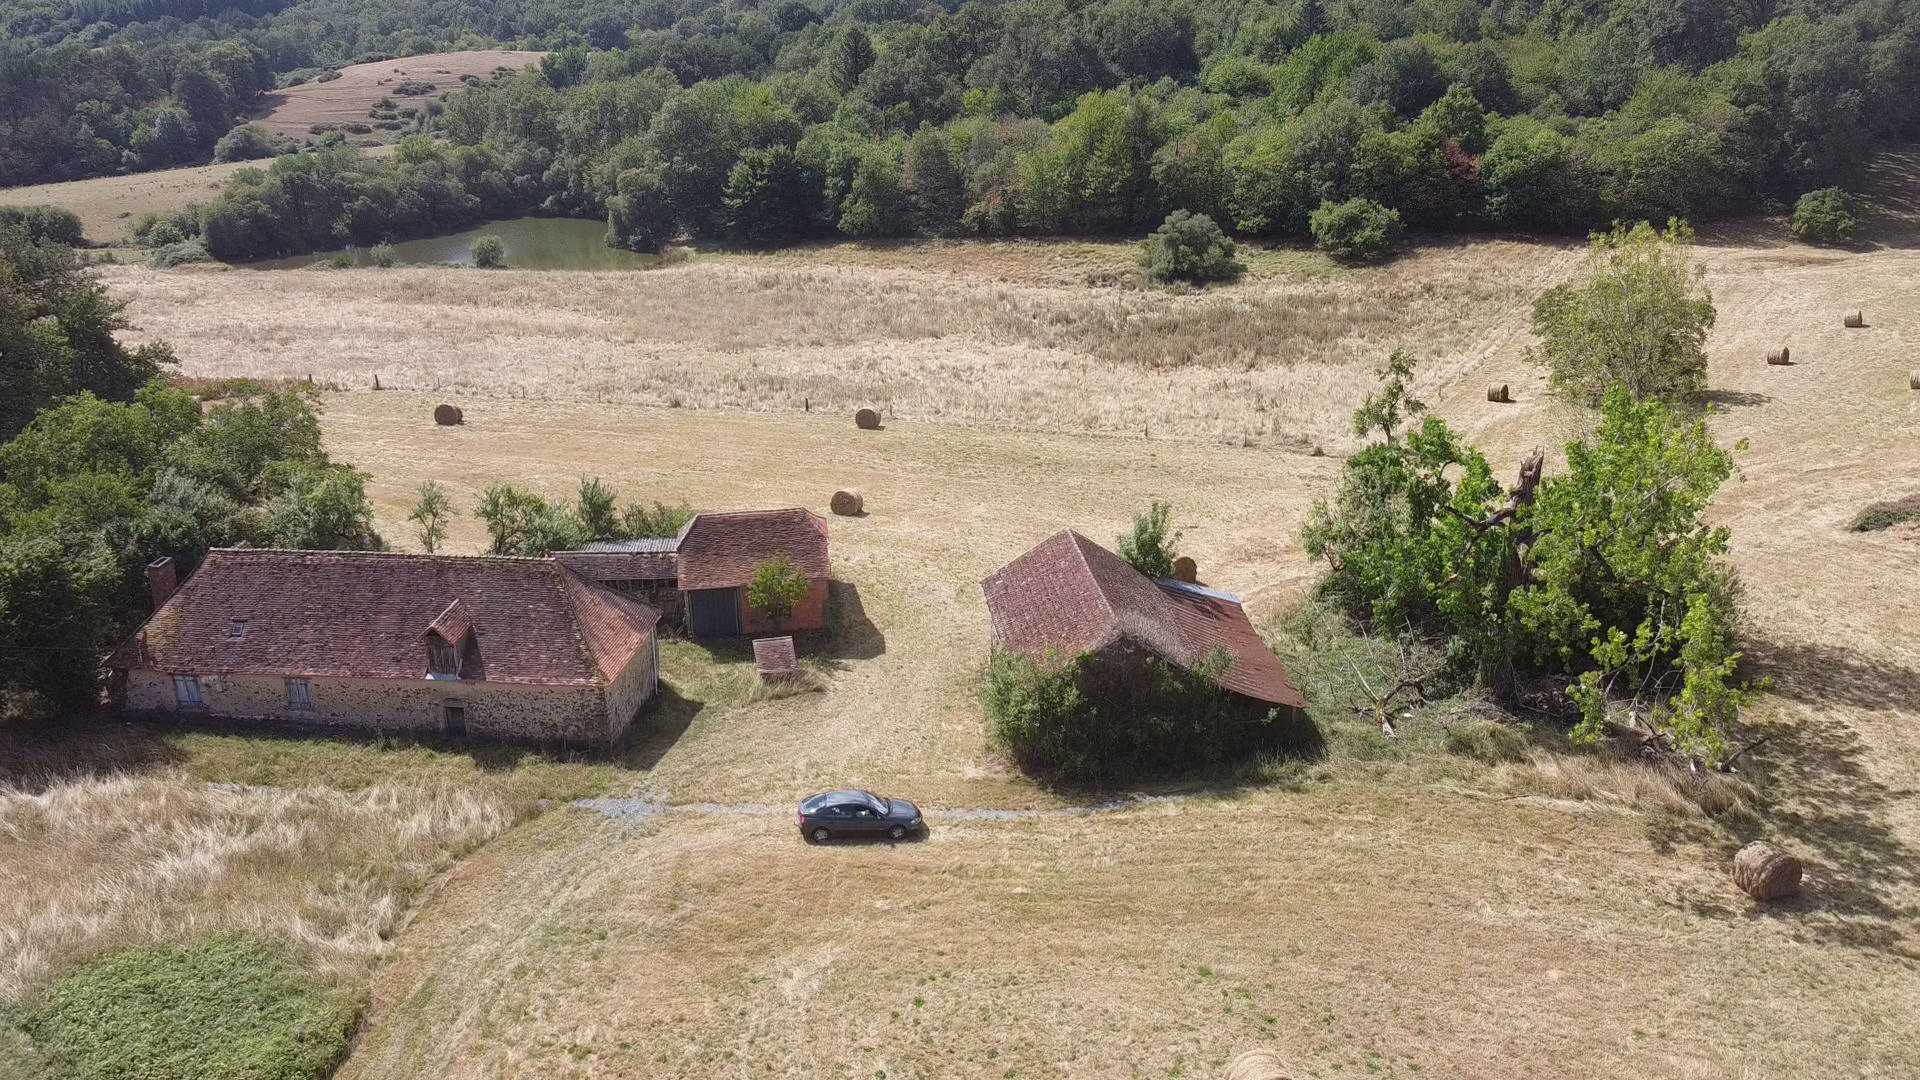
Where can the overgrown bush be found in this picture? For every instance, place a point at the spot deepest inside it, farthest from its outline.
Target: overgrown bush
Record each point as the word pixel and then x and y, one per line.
pixel 382 256
pixel 1356 230
pixel 1075 721
pixel 1823 217
pixel 1639 322
pixel 489 252
pixel 246 143
pixel 222 1008
pixel 179 253
pixel 1189 247
pixel 1147 547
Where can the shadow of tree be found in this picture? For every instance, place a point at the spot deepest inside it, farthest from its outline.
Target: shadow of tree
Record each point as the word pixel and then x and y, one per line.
pixel 1861 875
pixel 1817 673
pixel 35 755
pixel 1734 399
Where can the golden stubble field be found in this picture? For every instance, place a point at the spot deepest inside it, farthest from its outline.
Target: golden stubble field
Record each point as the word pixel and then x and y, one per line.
pixel 293 110
pixel 1375 921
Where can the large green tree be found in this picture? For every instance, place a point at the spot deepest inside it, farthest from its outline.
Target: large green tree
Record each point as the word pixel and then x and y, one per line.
pixel 1607 576
pixel 1639 320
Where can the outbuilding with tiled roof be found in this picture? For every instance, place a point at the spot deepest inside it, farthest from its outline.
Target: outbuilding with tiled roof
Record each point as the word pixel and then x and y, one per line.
pixel 491 647
pixel 1070 596
pixel 719 554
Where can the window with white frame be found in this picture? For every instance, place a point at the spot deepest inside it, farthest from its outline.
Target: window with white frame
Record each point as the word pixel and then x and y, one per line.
pixel 186 692
pixel 299 694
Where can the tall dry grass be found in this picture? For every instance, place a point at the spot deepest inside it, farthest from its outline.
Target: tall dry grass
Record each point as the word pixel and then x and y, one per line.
pixel 98 864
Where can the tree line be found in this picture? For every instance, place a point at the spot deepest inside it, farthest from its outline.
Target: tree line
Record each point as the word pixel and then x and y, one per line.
pixel 781 121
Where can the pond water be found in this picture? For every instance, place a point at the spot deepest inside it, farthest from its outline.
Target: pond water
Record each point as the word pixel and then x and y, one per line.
pixel 531 243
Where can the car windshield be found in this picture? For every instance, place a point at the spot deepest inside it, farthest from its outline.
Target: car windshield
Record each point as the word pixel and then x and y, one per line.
pixel 880 805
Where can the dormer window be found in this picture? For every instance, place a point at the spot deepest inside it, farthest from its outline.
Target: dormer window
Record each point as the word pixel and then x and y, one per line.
pixel 442 658
pixel 239 629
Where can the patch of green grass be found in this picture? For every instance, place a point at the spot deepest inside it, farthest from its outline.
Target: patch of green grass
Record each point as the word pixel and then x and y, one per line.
pixel 1885 515
pixel 222 1008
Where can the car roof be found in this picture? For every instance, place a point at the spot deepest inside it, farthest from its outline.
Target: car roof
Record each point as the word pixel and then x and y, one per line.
pixel 829 798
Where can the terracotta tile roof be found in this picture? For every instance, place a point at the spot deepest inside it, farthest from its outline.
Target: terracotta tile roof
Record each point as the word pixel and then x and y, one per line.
pixel 1071 595
pixel 721 551
pixel 453 625
pixel 364 614
pixel 595 565
pixel 774 656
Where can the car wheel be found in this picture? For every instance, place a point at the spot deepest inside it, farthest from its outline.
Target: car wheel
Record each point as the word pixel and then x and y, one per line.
pixel 898 832
pixel 821 835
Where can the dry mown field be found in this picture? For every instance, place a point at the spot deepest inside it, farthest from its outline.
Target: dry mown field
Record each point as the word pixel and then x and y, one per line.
pixel 1382 917
pixel 345 100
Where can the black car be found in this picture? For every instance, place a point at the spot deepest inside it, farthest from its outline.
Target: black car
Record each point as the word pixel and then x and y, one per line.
pixel 857 813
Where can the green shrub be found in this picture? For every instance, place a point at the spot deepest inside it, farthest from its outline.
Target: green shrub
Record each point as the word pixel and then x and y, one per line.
pixel 382 256
pixel 1084 723
pixel 178 254
pixel 223 1008
pixel 245 143
pixel 638 521
pixel 164 232
pixel 489 252
pixel 1189 247
pixel 341 261
pixel 1356 230
pixel 1885 515
pixel 777 588
pixel 413 88
pixel 45 224
pixel 1147 547
pixel 1823 217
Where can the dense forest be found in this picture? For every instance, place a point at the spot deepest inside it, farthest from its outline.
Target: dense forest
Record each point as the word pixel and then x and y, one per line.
pixel 764 123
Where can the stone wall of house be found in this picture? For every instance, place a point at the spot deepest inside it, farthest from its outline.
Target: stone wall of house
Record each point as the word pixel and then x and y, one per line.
pixel 628 694
pixel 576 714
pixel 809 614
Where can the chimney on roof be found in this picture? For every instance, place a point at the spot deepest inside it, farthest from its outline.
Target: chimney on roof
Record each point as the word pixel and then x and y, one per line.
pixel 164 576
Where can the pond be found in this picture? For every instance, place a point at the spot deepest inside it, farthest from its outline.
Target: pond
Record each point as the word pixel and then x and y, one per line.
pixel 531 243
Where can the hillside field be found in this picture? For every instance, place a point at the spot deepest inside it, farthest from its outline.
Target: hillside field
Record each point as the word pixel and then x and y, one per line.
pixel 1394 910
pixel 293 110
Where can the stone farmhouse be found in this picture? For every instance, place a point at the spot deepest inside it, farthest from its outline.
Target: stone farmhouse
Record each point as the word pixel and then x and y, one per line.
pixel 1071 596
pixel 492 647
pixel 705 570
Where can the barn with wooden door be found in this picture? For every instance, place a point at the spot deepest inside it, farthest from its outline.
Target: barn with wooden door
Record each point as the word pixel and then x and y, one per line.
pixel 719 553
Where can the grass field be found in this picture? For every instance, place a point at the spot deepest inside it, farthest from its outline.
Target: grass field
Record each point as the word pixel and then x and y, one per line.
pixel 294 110
pixel 1394 910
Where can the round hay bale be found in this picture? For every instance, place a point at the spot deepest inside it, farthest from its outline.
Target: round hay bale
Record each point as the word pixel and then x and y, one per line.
pixel 1913 381
pixel 848 502
pixel 867 420
pixel 1856 320
pixel 448 415
pixel 1765 872
pixel 1780 357
pixel 1501 393
pixel 1185 569
pixel 1258 1065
